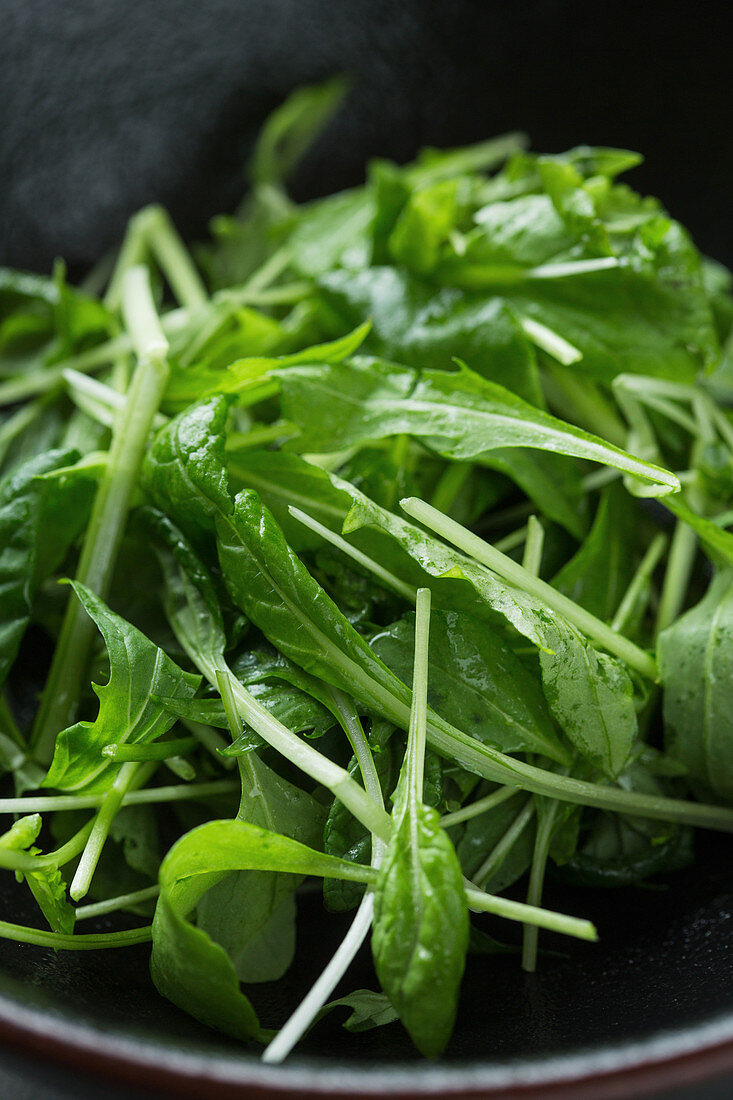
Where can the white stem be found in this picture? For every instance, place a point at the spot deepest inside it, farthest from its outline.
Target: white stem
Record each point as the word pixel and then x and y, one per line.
pixel 511 571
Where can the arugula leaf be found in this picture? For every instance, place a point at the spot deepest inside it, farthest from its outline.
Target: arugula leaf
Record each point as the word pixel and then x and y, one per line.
pixel 127 712
pixel 291 129
pixel 249 377
pixel 719 543
pixel 49 889
pixel 459 415
pixel 368 1010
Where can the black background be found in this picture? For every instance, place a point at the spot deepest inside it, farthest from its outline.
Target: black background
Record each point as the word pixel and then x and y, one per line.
pixel 109 104
pixel 106 105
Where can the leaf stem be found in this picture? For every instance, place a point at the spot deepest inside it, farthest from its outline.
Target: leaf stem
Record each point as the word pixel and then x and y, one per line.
pixel 581 929
pixel 122 901
pixel 545 825
pixel 532 558
pixel 309 760
pixel 300 1020
pixel 60 942
pixel 647 565
pixel 174 258
pixel 176 793
pixel 389 579
pixel 501 849
pixel 511 571
pixel 417 732
pixel 481 806
pixel 680 560
pixel 450 483
pixel 110 510
pixel 105 816
pixel 158 750
pixel 550 342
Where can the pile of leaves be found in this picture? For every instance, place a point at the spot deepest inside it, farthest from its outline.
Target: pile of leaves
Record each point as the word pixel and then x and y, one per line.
pixel 396 527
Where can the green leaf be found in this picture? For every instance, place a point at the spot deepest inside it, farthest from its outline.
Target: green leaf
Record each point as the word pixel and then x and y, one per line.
pixel 476 682
pixel 695 654
pixel 191 601
pixel 617 850
pixel 421 926
pixel 249 378
pixel 332 232
pixel 184 470
pixel 600 572
pixel 291 129
pixel 590 694
pixel 484 832
pixel 127 711
pixel 459 415
pixel 251 914
pixel 718 543
pixel 299 701
pixel 277 593
pixel 186 965
pixel 346 837
pixel 415 324
pixel 424 225
pixel 49 889
pixel 38 521
pixel 368 1010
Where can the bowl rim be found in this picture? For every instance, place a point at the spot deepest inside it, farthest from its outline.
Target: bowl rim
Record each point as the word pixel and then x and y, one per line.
pixel 685 1056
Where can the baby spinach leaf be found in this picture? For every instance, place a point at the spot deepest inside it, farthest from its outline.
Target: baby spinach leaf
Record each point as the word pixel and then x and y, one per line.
pixel 187 966
pixel 127 711
pixel 184 470
pixel 617 850
pixel 251 914
pixel 695 654
pixel 38 522
pixel 420 934
pixel 421 326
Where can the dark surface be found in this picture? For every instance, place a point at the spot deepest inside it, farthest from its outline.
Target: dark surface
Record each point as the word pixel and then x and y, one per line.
pixel 664 963
pixel 106 106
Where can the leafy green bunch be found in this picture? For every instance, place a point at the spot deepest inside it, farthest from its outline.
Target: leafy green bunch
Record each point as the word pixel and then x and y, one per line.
pixel 396 531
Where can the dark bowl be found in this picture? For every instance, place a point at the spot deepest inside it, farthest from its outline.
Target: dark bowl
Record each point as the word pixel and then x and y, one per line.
pixel 109 106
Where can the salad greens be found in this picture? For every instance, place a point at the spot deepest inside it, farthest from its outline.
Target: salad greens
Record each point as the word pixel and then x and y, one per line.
pixel 397 527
